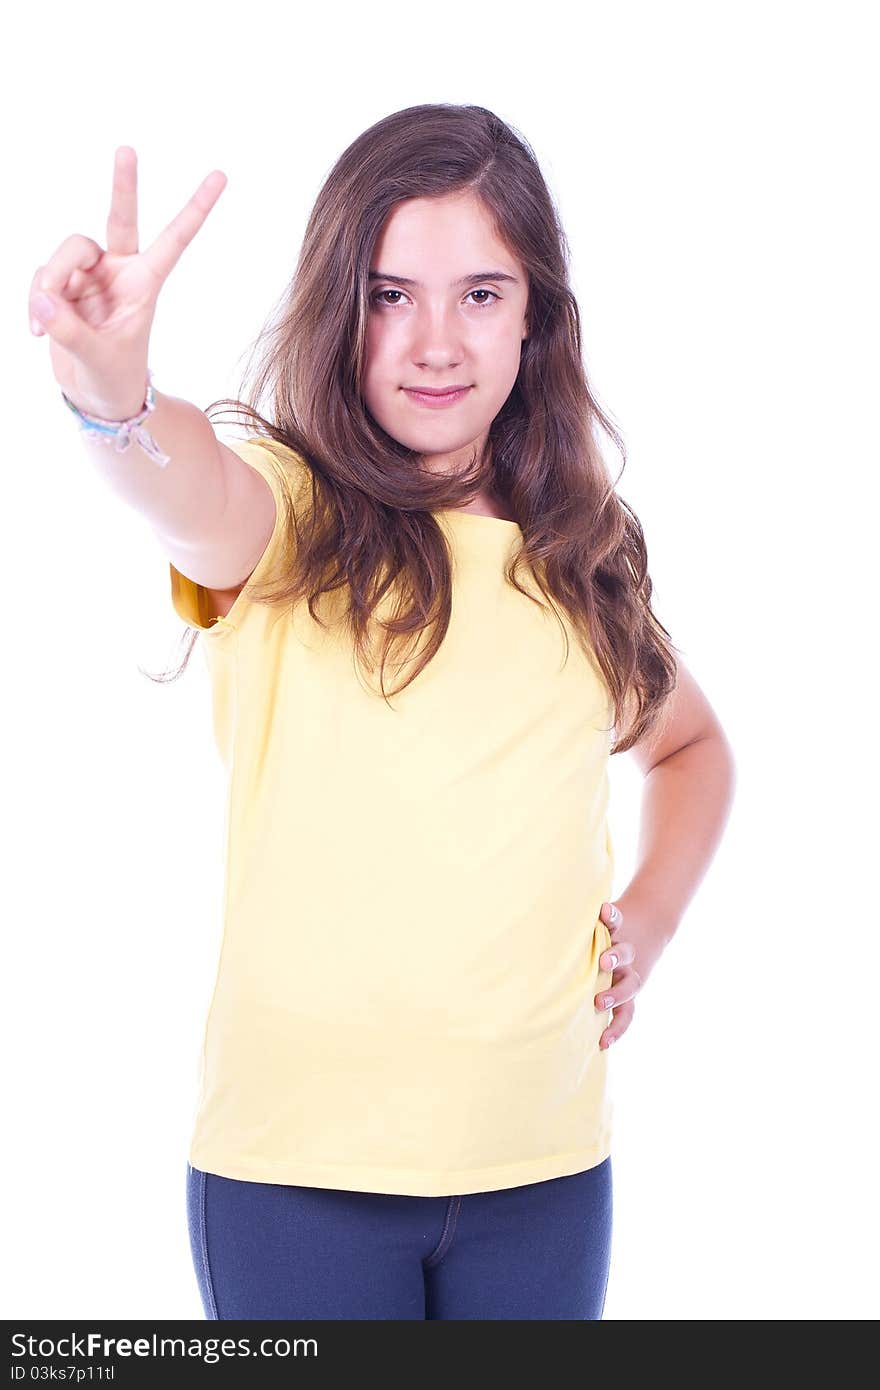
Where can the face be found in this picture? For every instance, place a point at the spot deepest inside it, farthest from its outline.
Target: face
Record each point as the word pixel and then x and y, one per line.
pixel 438 319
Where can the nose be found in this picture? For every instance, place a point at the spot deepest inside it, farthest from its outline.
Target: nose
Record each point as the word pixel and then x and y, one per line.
pixel 436 339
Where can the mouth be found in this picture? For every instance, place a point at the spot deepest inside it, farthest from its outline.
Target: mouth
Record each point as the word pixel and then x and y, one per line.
pixel 436 395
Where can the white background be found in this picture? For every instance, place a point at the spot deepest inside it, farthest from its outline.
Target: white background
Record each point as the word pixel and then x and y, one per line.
pixel 714 167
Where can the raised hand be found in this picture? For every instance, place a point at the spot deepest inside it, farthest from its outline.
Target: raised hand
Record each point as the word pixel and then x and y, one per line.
pixel 97 306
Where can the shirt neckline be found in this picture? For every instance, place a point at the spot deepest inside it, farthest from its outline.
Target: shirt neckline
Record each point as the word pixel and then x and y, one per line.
pixel 476 516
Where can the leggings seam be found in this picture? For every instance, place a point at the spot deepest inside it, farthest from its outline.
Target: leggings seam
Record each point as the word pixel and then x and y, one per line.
pixel 442 1247
pixel 203 1241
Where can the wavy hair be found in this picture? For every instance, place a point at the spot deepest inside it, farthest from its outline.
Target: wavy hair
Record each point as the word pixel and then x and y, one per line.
pixel 369 531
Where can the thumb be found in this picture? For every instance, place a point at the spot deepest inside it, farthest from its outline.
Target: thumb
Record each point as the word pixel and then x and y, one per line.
pixel 54 315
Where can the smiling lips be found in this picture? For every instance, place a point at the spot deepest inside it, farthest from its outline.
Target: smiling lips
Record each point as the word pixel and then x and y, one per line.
pixel 437 396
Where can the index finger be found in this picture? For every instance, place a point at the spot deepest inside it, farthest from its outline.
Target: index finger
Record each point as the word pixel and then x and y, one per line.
pixel 122 230
pixel 170 244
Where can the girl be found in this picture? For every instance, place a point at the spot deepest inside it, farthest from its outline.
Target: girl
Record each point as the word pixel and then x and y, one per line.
pixel 442 634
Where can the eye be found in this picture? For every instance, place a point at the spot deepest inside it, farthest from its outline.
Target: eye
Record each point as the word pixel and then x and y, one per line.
pixel 376 298
pixel 386 305
pixel 486 301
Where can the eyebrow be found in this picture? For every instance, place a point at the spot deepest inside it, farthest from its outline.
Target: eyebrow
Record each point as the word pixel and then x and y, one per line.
pixel 498 275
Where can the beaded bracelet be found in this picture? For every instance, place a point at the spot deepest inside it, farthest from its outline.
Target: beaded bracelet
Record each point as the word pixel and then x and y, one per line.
pixel 121 432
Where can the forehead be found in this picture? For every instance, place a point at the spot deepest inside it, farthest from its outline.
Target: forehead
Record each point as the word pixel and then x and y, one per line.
pixel 450 233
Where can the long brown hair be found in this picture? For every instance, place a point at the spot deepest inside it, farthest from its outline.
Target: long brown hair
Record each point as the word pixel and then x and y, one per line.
pixel 368 531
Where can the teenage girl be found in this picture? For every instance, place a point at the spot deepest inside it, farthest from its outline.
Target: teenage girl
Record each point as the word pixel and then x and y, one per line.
pixel 425 613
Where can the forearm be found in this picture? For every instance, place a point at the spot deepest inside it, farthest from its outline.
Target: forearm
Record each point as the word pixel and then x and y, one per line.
pixel 181 500
pixel 686 801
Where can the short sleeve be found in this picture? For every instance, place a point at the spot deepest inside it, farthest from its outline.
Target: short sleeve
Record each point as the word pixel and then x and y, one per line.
pixel 282 469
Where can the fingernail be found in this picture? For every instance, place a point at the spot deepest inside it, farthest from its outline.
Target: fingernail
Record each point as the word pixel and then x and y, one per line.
pixel 613 960
pixel 42 307
pixel 36 327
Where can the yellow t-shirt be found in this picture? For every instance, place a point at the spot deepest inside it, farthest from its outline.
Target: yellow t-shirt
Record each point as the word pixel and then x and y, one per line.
pixel 404 999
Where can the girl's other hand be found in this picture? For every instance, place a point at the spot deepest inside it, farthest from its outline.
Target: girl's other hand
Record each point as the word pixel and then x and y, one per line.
pixel 631 957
